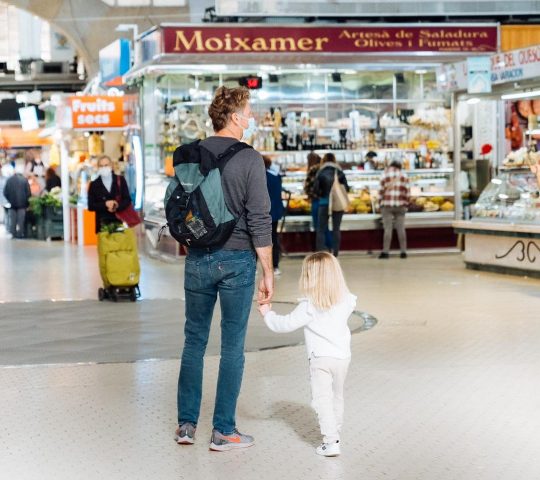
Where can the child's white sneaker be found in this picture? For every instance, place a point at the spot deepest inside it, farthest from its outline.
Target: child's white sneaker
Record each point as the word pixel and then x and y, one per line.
pixel 329 449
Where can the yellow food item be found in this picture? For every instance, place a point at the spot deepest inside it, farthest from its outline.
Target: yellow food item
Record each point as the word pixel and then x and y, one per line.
pixel 447 207
pixel 363 208
pixel 430 207
pixel 438 200
pixel 421 201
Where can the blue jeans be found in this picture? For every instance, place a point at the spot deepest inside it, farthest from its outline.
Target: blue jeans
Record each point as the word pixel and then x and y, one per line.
pixel 315 203
pixel 231 273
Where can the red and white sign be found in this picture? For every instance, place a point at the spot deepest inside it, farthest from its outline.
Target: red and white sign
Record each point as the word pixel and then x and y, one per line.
pixel 97 112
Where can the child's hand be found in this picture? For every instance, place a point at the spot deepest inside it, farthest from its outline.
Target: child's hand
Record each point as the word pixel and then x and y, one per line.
pixel 264 308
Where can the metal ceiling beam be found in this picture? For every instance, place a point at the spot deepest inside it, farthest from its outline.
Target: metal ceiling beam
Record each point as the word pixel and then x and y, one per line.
pixel 90 24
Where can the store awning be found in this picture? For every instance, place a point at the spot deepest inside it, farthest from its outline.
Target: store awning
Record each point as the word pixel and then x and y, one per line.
pixel 13 137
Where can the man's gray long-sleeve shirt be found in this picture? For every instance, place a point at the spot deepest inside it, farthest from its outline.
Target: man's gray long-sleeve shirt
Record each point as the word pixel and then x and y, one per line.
pixel 246 194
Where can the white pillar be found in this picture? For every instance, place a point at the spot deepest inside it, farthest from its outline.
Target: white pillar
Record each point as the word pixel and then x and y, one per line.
pixel 29 35
pixel 64 172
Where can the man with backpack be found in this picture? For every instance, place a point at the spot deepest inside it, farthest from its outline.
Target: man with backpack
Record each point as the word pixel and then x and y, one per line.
pixel 224 220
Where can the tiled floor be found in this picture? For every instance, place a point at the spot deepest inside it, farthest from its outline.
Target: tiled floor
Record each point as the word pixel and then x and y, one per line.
pixel 444 387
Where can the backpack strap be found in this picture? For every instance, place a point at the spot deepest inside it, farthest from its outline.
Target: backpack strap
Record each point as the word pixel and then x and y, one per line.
pixel 221 160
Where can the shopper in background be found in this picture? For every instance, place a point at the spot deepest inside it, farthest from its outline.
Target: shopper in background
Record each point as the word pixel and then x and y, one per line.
pixel 228 271
pixel 273 182
pixel 323 314
pixel 314 163
pixel 394 196
pixel 107 194
pixel 35 168
pixel 324 180
pixel 35 185
pixel 52 180
pixel 17 193
pixel 4 211
pixel 369 163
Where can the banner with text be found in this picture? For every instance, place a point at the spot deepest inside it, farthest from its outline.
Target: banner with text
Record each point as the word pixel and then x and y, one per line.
pixel 505 67
pixel 97 112
pixel 328 39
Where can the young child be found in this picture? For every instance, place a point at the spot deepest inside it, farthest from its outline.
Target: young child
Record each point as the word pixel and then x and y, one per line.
pixel 323 314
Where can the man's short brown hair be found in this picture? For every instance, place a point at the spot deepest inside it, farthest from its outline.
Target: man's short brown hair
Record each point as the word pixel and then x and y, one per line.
pixel 226 102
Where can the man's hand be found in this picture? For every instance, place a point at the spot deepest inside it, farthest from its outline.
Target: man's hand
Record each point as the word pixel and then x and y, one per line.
pixel 265 308
pixel 266 285
pixel 266 289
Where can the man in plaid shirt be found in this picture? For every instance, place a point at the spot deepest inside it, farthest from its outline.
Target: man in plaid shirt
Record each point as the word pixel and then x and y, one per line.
pixel 394 199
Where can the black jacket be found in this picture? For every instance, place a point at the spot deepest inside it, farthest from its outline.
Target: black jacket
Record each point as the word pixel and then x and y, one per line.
pixel 17 191
pixel 98 195
pixel 325 179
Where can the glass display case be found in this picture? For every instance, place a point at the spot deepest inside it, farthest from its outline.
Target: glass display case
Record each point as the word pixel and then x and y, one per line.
pixel 512 197
pixel 298 111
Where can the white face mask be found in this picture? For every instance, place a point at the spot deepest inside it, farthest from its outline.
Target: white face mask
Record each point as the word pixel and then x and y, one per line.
pixel 105 171
pixel 250 130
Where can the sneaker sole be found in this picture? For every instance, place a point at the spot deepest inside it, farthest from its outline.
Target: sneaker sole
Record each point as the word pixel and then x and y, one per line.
pixel 229 446
pixel 184 440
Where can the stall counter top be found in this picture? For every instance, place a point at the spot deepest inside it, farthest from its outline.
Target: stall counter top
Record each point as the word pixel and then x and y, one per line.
pixel 468 226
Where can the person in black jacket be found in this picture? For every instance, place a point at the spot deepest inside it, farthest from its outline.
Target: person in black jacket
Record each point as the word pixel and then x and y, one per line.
pixel 52 180
pixel 107 194
pixel 17 193
pixel 322 188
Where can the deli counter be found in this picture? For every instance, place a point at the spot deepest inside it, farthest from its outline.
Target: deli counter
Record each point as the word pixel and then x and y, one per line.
pixel 428 221
pixel 504 232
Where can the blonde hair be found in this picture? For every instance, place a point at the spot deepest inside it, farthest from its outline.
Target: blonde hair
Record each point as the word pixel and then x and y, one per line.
pixel 322 280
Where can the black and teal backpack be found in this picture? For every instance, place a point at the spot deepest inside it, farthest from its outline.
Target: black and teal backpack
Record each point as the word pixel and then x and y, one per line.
pixel 195 208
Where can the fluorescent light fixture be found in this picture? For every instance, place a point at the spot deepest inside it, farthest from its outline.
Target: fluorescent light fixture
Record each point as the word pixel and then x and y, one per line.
pixel 536 131
pixel 420 72
pixel 316 95
pixel 139 173
pixel 473 101
pixel 516 96
pixel 126 27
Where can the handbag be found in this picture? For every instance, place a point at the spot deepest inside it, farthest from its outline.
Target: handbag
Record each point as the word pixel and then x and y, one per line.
pixel 339 200
pixel 129 215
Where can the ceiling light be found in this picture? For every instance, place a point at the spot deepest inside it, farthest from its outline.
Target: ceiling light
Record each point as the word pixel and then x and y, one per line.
pixel 420 72
pixel 473 101
pixel 516 96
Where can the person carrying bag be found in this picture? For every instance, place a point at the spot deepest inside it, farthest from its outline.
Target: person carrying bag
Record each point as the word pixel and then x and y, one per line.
pixel 331 188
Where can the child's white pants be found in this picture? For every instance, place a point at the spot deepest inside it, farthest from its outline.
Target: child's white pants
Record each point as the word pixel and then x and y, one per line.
pixel 327 381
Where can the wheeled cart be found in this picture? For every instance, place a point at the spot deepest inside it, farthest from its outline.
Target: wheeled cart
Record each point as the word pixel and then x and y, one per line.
pixel 118 265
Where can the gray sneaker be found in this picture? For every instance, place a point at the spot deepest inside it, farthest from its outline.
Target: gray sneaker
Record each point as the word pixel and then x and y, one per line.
pixel 185 434
pixel 220 442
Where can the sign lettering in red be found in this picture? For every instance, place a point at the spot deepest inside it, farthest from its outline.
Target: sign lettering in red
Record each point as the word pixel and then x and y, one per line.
pixel 328 39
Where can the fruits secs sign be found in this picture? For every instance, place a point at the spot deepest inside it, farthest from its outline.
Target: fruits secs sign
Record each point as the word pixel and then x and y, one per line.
pixel 97 112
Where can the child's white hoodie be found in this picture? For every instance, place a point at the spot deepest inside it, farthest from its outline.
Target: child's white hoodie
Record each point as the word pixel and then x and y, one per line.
pixel 326 332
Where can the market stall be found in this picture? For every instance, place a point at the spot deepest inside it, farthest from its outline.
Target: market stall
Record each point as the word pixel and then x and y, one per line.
pixel 503 233
pixel 343 101
pixel 84 128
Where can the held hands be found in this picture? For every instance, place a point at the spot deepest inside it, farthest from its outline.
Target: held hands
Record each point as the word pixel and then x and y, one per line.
pixel 265 308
